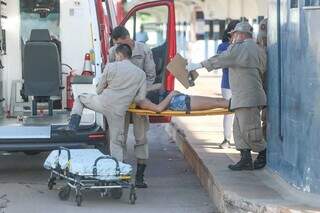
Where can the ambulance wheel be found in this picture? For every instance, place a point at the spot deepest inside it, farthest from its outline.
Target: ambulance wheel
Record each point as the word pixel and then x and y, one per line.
pixel 51 183
pixel 116 193
pixel 64 193
pixel 79 200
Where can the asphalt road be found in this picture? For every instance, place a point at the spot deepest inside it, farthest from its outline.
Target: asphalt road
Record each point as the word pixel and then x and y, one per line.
pixel 172 186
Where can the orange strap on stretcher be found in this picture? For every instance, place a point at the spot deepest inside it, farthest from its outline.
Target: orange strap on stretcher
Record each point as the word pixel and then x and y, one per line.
pixel 216 111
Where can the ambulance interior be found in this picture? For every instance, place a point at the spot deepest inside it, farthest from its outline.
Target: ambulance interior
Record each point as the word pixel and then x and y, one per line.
pixel 71 30
pixel 40 47
pixel 42 42
pixel 40 55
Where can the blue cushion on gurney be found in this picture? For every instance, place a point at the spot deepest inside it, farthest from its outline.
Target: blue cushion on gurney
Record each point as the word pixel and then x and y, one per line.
pixel 82 161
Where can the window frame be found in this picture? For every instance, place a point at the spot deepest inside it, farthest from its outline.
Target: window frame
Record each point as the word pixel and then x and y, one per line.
pixel 295 6
pixel 134 24
pixel 310 7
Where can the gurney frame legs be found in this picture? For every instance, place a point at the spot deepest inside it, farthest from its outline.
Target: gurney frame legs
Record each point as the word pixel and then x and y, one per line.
pixel 78 183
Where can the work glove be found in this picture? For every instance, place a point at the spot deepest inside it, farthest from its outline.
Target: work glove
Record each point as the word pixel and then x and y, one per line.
pixel 193 66
pixel 95 81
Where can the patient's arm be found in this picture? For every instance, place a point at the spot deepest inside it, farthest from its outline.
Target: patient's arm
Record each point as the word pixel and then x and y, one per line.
pixel 203 103
pixel 147 104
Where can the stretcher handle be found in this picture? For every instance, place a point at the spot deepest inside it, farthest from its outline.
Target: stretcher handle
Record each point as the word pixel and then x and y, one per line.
pixel 69 158
pixel 94 171
pixel 65 149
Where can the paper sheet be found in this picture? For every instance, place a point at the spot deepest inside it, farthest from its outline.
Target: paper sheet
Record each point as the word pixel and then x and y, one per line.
pixel 178 68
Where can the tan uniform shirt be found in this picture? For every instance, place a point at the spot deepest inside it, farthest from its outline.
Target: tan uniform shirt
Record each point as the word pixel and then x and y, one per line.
pixel 247 64
pixel 121 83
pixel 142 57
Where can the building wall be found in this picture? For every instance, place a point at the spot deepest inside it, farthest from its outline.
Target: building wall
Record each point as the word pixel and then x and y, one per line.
pixel 293 95
pixel 221 9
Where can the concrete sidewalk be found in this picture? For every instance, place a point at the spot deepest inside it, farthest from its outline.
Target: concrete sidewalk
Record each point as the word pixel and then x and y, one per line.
pixel 247 191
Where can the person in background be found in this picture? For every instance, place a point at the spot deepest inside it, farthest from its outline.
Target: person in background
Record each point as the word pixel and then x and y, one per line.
pixel 262 37
pixel 142 36
pixel 262 40
pixel 225 86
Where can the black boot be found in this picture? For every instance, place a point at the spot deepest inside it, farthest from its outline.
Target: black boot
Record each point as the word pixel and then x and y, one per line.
pixel 261 160
pixel 245 163
pixel 139 176
pixel 73 125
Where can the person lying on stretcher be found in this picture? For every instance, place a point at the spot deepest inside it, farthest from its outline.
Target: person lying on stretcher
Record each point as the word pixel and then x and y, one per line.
pixel 177 101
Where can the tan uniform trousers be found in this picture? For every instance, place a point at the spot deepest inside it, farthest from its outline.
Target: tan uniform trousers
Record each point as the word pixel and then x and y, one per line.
pixel 247 129
pixel 115 122
pixel 140 129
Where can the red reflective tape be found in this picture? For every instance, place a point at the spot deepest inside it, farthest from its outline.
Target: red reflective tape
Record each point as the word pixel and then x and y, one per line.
pixel 96 136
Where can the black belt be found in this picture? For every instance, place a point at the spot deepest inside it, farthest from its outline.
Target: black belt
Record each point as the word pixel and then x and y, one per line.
pixel 188 104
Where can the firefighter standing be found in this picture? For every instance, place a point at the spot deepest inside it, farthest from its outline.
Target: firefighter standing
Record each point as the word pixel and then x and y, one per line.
pixel 247 63
pixel 143 58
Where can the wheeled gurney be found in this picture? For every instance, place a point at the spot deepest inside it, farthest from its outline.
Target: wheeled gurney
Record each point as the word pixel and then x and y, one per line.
pixel 89 169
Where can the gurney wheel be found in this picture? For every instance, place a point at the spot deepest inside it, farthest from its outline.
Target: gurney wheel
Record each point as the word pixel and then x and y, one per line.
pixel 51 183
pixel 133 198
pixel 116 193
pixel 79 200
pixel 133 195
pixel 64 193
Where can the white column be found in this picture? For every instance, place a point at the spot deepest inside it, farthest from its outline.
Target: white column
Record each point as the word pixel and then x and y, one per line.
pixel 12 60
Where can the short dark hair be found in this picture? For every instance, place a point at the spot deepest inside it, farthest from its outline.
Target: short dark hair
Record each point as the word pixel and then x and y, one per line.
pixel 119 32
pixel 226 35
pixel 125 50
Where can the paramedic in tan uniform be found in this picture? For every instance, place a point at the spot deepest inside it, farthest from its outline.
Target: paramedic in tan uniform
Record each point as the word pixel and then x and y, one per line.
pixel 247 63
pixel 120 84
pixel 141 57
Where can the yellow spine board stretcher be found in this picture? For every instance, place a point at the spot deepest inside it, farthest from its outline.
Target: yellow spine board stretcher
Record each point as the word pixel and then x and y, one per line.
pixel 216 111
pixel 178 68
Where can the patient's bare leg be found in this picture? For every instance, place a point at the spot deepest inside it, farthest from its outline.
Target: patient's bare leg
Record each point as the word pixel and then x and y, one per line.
pixel 203 103
pixel 147 104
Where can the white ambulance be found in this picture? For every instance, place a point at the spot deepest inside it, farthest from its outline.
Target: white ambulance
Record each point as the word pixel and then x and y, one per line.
pixel 43 44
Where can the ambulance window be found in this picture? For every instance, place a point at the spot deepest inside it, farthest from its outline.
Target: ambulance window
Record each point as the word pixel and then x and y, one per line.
pixel 34 6
pixel 149 26
pixel 39 14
